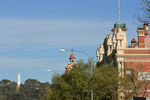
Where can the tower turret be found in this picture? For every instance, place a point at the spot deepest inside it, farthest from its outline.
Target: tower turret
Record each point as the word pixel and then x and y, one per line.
pixel 121 38
pixel 133 43
pixel 100 53
pixel 109 44
pixel 72 58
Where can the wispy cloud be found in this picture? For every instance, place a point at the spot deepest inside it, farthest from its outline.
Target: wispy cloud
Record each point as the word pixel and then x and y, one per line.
pixel 15 33
pixel 8 62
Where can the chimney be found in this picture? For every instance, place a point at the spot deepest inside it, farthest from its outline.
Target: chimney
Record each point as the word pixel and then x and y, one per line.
pixel 146 27
pixel 141 37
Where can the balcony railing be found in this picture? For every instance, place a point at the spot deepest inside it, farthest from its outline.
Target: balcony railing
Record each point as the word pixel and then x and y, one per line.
pixel 116 25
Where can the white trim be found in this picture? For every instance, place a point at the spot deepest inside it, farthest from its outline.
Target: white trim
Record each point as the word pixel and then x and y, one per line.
pixel 137 60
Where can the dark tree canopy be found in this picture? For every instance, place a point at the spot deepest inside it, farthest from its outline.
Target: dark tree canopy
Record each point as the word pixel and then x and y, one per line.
pixel 30 90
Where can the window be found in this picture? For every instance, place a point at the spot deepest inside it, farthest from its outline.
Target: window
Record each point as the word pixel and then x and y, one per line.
pixel 143 75
pixel 129 71
pixel 130 74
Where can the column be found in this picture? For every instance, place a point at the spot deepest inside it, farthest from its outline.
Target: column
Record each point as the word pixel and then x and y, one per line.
pixel 122 65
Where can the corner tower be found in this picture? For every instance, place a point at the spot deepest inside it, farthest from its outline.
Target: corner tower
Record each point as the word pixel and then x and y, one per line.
pixel 72 58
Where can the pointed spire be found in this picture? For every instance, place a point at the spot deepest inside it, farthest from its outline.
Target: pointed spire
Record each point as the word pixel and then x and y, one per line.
pixel 72 49
pixel 72 56
pixel 133 40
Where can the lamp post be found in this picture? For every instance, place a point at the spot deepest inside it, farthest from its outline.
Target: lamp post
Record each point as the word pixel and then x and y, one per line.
pixel 48 70
pixel 63 50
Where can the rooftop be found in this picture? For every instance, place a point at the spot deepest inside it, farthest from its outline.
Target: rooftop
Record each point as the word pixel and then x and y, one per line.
pixel 72 56
pixel 122 25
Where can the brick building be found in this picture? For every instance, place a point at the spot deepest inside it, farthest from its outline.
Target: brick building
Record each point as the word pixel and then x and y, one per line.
pixel 128 59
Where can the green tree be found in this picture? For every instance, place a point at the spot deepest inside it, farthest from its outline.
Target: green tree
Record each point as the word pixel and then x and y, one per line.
pixel 32 89
pixel 105 83
pixel 72 85
pixel 144 15
pixel 48 95
pixel 7 89
pixel 77 83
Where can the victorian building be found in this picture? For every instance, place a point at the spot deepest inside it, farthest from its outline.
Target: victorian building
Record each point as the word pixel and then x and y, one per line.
pixel 128 59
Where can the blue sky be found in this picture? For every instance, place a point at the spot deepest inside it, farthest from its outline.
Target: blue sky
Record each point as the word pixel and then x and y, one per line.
pixel 32 32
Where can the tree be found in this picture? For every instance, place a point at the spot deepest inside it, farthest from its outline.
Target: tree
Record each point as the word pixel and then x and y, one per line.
pixel 48 95
pixel 77 83
pixel 7 89
pixel 105 83
pixel 72 85
pixel 144 16
pixel 30 90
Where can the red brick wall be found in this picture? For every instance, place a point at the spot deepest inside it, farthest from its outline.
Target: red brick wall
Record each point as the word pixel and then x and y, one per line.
pixel 139 67
pixel 137 52
pixel 141 40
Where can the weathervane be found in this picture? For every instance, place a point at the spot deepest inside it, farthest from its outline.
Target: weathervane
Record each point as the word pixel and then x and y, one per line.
pixel 72 48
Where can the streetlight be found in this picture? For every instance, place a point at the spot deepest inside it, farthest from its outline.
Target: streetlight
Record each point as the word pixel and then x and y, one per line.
pixel 63 50
pixel 48 70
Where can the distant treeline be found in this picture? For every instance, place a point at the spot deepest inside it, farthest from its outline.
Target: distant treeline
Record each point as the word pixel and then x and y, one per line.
pixel 32 89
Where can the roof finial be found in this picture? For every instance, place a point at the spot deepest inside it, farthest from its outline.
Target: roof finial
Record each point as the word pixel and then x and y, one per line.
pixel 72 48
pixel 119 12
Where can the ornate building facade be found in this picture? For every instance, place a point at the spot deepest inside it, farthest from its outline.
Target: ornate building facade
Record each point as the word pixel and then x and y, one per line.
pixel 115 51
